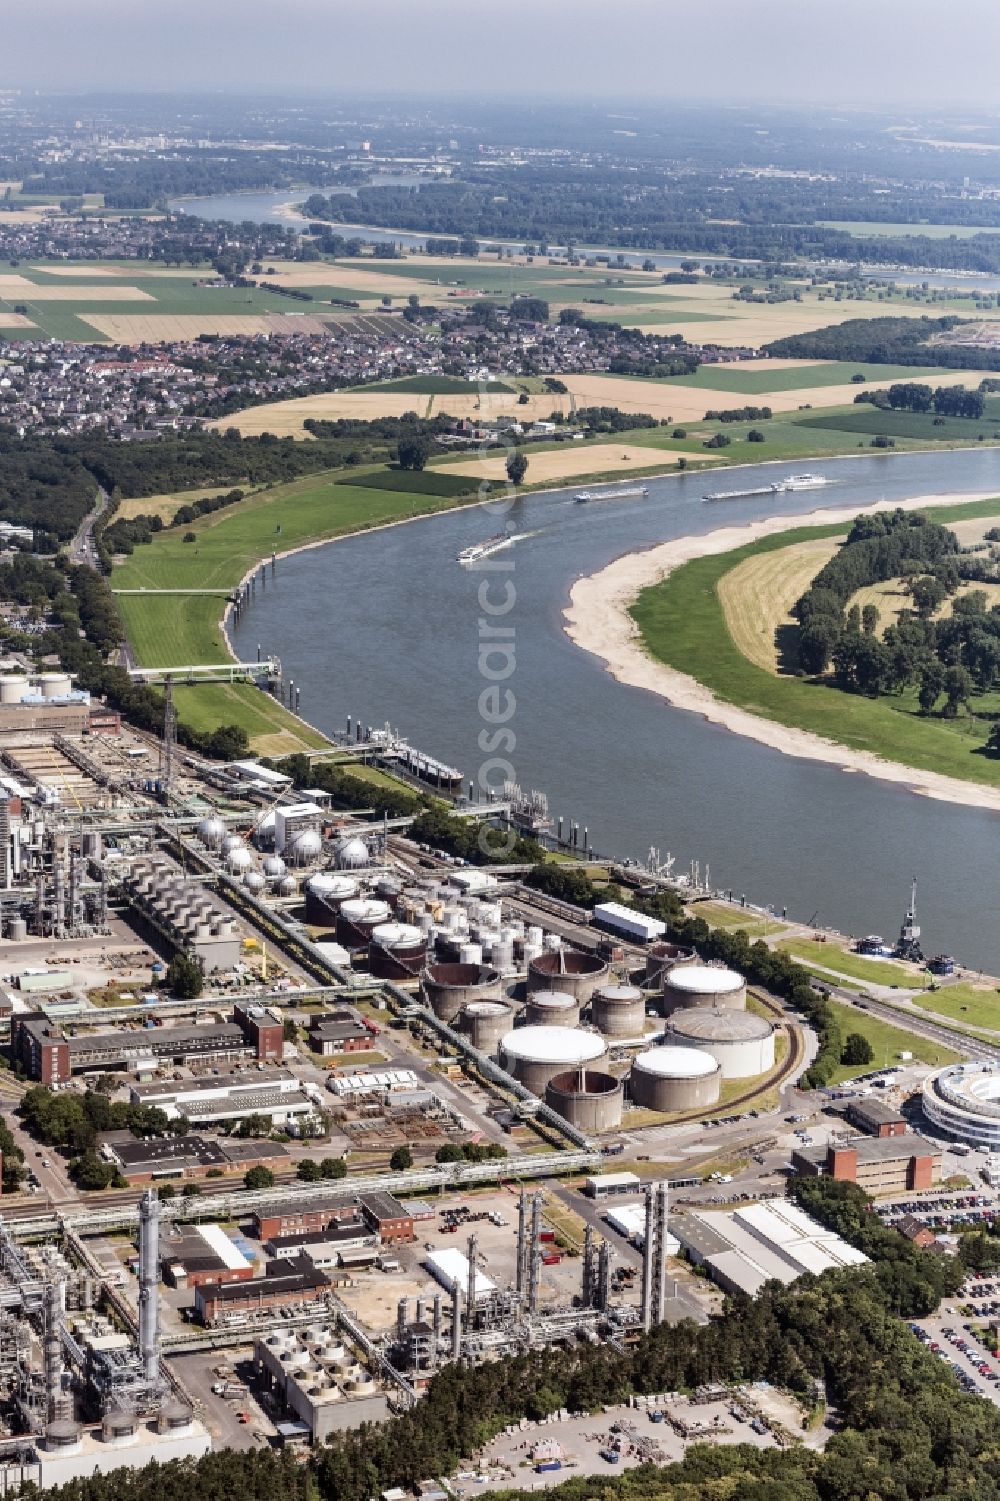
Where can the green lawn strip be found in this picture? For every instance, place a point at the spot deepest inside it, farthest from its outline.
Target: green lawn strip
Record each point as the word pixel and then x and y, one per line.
pixel 963 1003
pixel 170 630
pixel 718 915
pixel 887 1042
pixel 865 231
pixel 831 957
pixel 439 385
pixel 681 623
pixel 208 705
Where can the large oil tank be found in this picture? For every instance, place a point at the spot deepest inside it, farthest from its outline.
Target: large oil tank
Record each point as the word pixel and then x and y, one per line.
pixel 13 687
pixel 325 893
pixel 552 1008
pixel 55 684
pixel 663 957
pixel 673 1078
pixel 703 985
pixel 570 970
pixel 534 1055
pixel 358 918
pixel 588 1098
pixel 396 951
pixel 741 1042
pixel 449 987
pixel 485 1022
pixel 618 1011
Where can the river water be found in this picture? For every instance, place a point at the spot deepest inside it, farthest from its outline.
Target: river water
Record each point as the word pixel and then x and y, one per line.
pixel 271 208
pixel 385 626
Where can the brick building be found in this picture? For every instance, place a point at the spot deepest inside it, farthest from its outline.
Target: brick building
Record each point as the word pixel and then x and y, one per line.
pixel 878 1164
pixel 387 1217
pixel 291 1284
pixel 876 1118
pixel 303 1215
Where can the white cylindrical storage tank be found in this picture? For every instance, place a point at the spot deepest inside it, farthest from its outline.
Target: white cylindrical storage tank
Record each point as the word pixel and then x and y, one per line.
pixel 13 687
pixel 535 936
pixel 618 1011
pixel 326 891
pixel 663 957
pixel 358 918
pixel 55 684
pixel 703 985
pixel 485 1022
pixel 741 1042
pixel 552 1008
pixel 577 973
pixel 470 953
pixel 449 987
pixel 675 1078
pixel 396 951
pixel 534 1055
pixel 17 930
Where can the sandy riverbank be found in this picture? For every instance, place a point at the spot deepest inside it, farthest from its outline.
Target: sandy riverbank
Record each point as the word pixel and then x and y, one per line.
pixel 598 620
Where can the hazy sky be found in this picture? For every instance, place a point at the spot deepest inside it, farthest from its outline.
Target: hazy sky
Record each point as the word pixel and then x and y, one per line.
pixel 865 52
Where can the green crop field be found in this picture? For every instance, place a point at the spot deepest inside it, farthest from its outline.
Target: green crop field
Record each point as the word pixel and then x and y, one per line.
pixel 435 481
pixel 921 425
pixel 862 230
pixel 758 382
pixel 852 966
pixel 682 623
pixel 887 1042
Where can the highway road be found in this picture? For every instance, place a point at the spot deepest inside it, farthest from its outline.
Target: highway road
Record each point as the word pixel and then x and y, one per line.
pixel 81 549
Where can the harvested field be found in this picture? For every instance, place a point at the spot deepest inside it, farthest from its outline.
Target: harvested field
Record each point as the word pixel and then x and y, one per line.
pixel 759 323
pixel 88 269
pixel 757 595
pixel 574 459
pixel 124 328
pixel 165 506
pixel 287 417
pixel 14 320
pixel 49 292
pixel 13 283
pixel 892 596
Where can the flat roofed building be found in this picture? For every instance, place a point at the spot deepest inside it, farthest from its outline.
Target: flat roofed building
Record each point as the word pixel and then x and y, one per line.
pixel 608 1185
pixel 303 1215
pixel 878 1164
pixel 876 1118
pixel 293 1284
pixel 388 1217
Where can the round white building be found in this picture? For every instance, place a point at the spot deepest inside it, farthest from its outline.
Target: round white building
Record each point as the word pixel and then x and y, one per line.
pixel 963 1100
pixel 675 1078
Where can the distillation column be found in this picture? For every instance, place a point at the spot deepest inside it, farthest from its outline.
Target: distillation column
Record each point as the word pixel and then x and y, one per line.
pixel 149 1278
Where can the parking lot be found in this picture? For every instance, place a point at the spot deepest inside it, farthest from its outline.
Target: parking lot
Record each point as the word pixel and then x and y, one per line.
pixel 958 1344
pixel 940 1210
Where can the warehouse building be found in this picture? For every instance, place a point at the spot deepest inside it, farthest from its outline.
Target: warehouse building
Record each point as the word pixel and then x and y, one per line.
pixel 769 1241
pixel 294 1284
pixel 302 1215
pixel 340 1031
pixel 387 1217
pixel 450 1267
pixel 612 1185
pixel 878 1164
pixel 274 1093
pixel 324 1248
pixel 204 1256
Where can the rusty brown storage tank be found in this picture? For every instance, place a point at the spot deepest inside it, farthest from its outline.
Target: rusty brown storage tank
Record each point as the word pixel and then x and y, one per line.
pixel 663 957
pixel 449 987
pixel 704 985
pixel 534 1055
pixel 396 951
pixel 569 970
pixel 618 1011
pixel 552 1008
pixel 588 1098
pixel 673 1078
pixel 358 918
pixel 485 1022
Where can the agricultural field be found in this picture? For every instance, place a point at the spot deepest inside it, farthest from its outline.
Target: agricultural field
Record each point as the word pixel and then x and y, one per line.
pixel 766 377
pixel 166 506
pixel 574 460
pixel 757 597
pixel 887 1042
pixel 864 231
pixel 286 418
pixel 682 623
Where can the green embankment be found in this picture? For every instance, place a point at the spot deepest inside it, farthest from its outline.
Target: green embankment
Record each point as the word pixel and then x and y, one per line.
pixel 177 629
pixel 854 966
pixel 887 1043
pixel 970 1005
pixel 682 624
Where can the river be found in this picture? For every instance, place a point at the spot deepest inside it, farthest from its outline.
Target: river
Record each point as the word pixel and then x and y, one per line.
pixel 385 626
pixel 272 208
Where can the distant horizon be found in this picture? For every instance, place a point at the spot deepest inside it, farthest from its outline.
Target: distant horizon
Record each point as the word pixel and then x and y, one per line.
pixel 883 56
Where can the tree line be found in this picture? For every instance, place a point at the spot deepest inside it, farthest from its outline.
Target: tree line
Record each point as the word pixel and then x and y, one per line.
pixel 886 341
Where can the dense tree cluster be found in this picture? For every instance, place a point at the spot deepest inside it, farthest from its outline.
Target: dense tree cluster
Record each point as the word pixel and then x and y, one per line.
pixel 739 414
pixel 73 1123
pixel 885 341
pixel 911 396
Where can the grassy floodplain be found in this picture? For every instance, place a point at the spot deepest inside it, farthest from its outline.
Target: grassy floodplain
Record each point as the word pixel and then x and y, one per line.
pixel 887 1042
pixel 682 623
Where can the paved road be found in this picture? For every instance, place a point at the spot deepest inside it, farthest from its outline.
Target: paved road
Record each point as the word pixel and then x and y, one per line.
pixel 81 549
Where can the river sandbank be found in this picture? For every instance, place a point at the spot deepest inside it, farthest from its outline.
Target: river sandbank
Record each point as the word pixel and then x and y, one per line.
pixel 597 619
